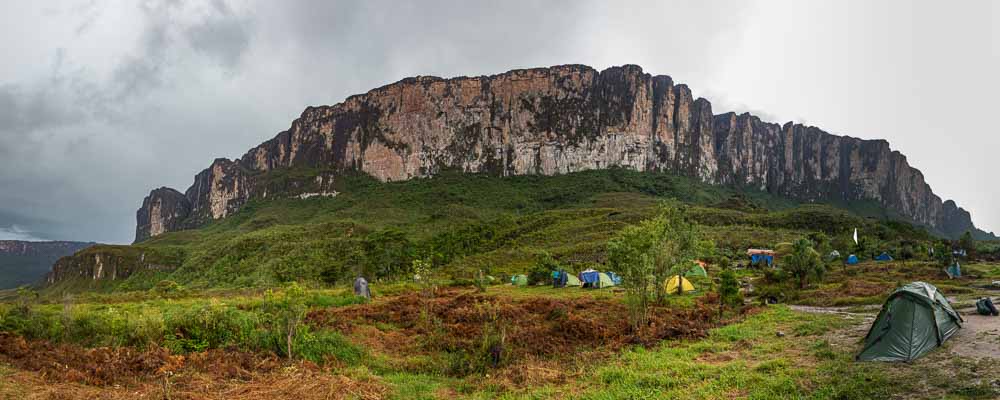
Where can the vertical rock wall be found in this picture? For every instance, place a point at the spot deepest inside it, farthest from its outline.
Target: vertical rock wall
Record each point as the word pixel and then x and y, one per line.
pixel 552 121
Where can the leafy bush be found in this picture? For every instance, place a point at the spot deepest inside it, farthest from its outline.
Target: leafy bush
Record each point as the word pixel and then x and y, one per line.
pixel 803 263
pixel 318 346
pixel 211 325
pixel 541 272
pixel 167 288
pixel 729 289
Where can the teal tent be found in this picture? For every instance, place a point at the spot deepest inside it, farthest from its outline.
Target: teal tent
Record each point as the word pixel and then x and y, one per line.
pixel 852 259
pixel 915 319
pixel 883 257
pixel 954 271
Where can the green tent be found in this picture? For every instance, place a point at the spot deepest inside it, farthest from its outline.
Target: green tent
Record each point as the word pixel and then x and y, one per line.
pixel 696 270
pixel 604 281
pixel 572 280
pixel 519 280
pixel 915 319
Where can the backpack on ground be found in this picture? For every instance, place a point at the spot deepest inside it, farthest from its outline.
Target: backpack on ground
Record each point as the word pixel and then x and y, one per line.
pixel 985 307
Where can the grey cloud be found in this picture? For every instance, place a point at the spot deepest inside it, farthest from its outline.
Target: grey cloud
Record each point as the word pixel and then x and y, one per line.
pixel 221 35
pixel 15 232
pixel 29 109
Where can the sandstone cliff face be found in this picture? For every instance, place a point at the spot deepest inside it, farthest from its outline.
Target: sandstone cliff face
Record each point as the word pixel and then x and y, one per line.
pixel 164 210
pixel 104 263
pixel 551 121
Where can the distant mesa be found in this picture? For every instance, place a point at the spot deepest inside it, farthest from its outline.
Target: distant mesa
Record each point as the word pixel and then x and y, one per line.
pixel 23 262
pixel 550 121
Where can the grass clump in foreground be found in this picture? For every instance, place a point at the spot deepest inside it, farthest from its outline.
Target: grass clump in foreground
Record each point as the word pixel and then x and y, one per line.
pixel 269 324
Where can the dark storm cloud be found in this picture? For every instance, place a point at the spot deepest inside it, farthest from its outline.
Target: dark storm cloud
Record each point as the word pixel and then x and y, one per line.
pixel 72 143
pixel 114 99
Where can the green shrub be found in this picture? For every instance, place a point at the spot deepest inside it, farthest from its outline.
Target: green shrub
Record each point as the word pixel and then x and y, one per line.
pixel 729 290
pixel 318 346
pixel 324 300
pixel 167 288
pixel 211 325
pixel 541 272
pixel 28 322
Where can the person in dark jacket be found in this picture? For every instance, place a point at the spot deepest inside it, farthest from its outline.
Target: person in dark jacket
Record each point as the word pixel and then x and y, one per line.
pixel 361 288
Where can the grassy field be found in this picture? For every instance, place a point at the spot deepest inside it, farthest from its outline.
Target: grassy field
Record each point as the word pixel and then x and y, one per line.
pixel 560 343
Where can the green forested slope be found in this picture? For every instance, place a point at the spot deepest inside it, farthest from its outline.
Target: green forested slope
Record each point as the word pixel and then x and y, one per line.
pixel 462 223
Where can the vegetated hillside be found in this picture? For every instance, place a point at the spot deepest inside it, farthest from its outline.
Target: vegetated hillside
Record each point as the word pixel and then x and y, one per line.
pixel 549 121
pixel 461 223
pixel 23 262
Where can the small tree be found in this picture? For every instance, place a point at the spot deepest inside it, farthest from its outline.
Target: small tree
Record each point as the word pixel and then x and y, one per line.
pixel 676 245
pixel 287 310
pixel 26 297
pixel 729 291
pixel 821 243
pixel 480 281
pixel 647 253
pixel 803 262
pixel 630 254
pixel 942 254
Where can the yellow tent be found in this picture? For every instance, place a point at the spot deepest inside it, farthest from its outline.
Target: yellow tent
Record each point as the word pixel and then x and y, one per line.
pixel 675 281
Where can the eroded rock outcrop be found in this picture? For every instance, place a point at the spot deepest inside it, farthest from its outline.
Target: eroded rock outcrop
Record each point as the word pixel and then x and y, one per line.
pixel 552 121
pixel 109 263
pixel 164 210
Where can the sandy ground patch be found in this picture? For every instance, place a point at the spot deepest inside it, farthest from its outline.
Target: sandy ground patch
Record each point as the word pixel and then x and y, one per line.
pixel 978 338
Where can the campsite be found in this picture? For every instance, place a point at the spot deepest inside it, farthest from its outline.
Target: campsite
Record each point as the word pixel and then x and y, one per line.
pixel 684 295
pixel 514 200
pixel 536 332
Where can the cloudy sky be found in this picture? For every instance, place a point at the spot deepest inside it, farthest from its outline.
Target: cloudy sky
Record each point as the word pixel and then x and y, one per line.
pixel 101 101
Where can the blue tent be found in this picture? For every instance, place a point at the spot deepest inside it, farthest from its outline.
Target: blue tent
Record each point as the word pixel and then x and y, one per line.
pixel 615 278
pixel 883 257
pixel 756 259
pixel 590 276
pixel 853 259
pixel 954 271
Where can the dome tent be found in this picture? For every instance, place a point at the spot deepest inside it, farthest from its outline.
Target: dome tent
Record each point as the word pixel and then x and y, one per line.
pixel 954 270
pixel 595 279
pixel 915 319
pixel 561 278
pixel 678 285
pixel 519 280
pixel 852 259
pixel 698 270
pixel 604 280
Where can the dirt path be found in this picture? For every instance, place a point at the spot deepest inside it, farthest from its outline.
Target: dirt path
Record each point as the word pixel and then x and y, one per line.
pixel 978 338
